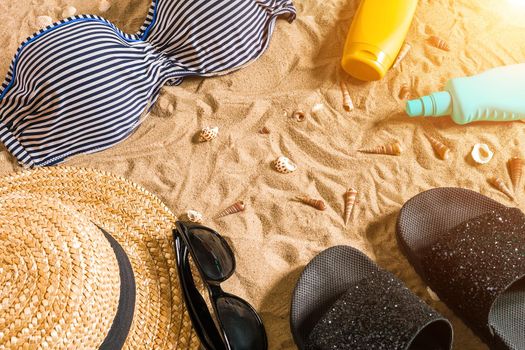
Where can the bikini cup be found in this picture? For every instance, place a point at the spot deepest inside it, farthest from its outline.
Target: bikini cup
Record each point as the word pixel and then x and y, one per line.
pixel 81 85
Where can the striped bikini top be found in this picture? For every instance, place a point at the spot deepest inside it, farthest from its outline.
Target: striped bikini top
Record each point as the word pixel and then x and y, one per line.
pixel 81 85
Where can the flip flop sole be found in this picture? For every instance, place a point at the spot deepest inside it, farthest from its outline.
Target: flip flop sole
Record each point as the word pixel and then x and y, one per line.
pixel 422 221
pixel 324 280
pixel 342 287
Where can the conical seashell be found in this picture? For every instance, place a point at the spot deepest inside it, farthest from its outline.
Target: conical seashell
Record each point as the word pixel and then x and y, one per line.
pixel 195 216
pixel 315 203
pixel 404 92
pixel 349 198
pixel 348 105
pixel 516 170
pixel 439 43
pixel 104 5
pixel 43 21
pixel 264 131
pixel 299 116
pixel 499 184
pixel 284 165
pixel 402 54
pixel 481 153
pixel 441 150
pixel 209 133
pixel 393 149
pixel 68 11
pixel 233 209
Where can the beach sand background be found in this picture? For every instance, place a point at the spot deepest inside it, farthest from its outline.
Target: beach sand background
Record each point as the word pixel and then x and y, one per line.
pixel 275 237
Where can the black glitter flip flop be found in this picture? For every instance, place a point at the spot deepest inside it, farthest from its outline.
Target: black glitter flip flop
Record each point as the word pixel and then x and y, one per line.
pixel 470 250
pixel 343 300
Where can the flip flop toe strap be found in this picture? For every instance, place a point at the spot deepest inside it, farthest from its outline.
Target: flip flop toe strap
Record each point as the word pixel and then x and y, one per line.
pixel 378 312
pixel 475 262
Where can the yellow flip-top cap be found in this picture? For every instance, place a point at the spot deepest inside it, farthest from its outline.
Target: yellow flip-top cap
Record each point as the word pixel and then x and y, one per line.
pixel 365 62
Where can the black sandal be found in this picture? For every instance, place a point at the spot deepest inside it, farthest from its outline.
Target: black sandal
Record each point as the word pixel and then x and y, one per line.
pixel 343 300
pixel 470 250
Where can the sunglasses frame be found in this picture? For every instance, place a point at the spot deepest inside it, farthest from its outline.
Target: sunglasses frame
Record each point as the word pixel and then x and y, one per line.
pixel 211 334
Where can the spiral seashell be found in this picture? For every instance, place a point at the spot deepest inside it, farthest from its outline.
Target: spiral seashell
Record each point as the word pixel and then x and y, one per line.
pixel 68 11
pixel 499 184
pixel 516 170
pixel 402 54
pixel 233 209
pixel 299 116
pixel 104 5
pixel 264 131
pixel 404 92
pixel 439 43
pixel 349 197
pixel 43 21
pixel 195 216
pixel 348 105
pixel 284 165
pixel 441 150
pixel 209 133
pixel 393 149
pixel 315 203
pixel 481 153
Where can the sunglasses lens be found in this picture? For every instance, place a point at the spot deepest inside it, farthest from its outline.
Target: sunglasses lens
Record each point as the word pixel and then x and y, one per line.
pixel 241 325
pixel 212 254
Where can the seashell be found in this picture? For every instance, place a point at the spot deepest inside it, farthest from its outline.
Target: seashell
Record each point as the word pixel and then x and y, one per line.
pixel 516 170
pixel 481 153
pixel 348 105
pixel 349 198
pixel 441 150
pixel 499 184
pixel 195 216
pixel 284 165
pixel 233 209
pixel 104 5
pixel 402 54
pixel 404 92
pixel 432 294
pixel 393 149
pixel 299 116
pixel 69 11
pixel 209 133
pixel 43 21
pixel 264 131
pixel 315 203
pixel 439 43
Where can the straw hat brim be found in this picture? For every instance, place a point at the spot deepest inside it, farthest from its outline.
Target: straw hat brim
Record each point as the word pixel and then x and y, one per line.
pixel 142 225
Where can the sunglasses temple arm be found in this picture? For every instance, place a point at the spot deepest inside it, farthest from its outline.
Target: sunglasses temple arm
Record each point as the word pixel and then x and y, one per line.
pixel 196 305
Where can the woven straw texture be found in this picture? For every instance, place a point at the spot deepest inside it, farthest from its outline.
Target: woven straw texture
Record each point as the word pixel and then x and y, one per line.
pixel 59 277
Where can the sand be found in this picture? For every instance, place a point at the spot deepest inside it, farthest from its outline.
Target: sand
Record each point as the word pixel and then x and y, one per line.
pixel 275 237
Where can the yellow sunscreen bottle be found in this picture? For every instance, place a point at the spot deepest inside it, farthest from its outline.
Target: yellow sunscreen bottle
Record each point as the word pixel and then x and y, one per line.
pixel 376 35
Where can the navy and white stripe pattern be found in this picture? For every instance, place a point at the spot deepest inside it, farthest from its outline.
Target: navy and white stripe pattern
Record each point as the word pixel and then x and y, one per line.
pixel 81 85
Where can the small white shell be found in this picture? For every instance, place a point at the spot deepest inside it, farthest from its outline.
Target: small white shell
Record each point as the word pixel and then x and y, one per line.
pixel 481 153
pixel 104 5
pixel 194 216
pixel 43 21
pixel 68 11
pixel 209 133
pixel 284 165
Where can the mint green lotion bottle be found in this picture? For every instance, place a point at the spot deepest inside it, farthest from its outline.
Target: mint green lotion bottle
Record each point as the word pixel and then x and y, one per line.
pixel 496 95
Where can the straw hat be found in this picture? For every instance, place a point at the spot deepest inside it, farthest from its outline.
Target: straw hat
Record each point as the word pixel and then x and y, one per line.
pixel 86 259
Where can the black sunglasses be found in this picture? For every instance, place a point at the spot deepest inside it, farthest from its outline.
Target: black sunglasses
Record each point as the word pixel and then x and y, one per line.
pixel 235 325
